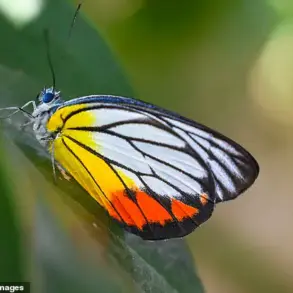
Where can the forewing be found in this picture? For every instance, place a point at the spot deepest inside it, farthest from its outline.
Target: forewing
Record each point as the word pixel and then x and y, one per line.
pixel 155 173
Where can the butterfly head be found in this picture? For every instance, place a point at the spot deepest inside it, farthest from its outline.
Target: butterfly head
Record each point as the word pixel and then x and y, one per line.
pixel 47 101
pixel 48 96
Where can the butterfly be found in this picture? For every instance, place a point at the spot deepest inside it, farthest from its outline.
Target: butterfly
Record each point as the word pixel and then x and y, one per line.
pixel 158 174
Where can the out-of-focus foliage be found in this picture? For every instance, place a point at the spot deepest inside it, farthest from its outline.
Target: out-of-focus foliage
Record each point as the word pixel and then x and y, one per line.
pixel 12 268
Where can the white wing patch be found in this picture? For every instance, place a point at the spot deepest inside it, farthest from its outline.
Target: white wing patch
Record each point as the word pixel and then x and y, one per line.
pixel 148 132
pixel 222 176
pixel 202 148
pixel 223 144
pixel 105 116
pixel 140 162
pixel 121 151
pixel 168 156
pixel 180 180
pixel 129 174
pixel 189 128
pixel 226 160
pixel 194 145
pixel 174 157
pixel 158 186
pixel 208 136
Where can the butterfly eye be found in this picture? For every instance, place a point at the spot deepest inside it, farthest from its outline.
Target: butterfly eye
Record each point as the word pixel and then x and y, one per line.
pixel 48 97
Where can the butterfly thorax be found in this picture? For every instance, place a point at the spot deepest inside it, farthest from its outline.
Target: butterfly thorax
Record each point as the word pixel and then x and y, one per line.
pixel 49 103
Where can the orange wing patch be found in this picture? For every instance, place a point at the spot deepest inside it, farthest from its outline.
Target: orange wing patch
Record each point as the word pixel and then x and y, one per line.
pixel 146 211
pixel 123 207
pixel 153 210
pixel 182 210
pixel 204 199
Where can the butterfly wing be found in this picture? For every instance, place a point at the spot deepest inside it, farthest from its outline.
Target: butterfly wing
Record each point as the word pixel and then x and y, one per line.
pixel 158 174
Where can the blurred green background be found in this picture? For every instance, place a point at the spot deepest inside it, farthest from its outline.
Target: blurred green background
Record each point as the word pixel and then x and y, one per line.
pixel 227 64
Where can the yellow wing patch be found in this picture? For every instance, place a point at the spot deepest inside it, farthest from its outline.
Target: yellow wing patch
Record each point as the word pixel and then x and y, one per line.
pixel 79 152
pixel 87 168
pixel 56 121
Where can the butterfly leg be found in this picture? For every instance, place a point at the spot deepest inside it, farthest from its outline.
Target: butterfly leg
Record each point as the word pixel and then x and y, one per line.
pixel 26 124
pixel 19 109
pixel 59 167
pixel 63 172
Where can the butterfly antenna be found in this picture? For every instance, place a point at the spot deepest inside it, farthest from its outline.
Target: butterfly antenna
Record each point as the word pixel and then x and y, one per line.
pixel 47 40
pixel 74 20
pixel 46 35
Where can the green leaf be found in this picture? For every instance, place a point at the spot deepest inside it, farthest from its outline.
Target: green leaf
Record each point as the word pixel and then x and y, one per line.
pixel 12 265
pixel 101 255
